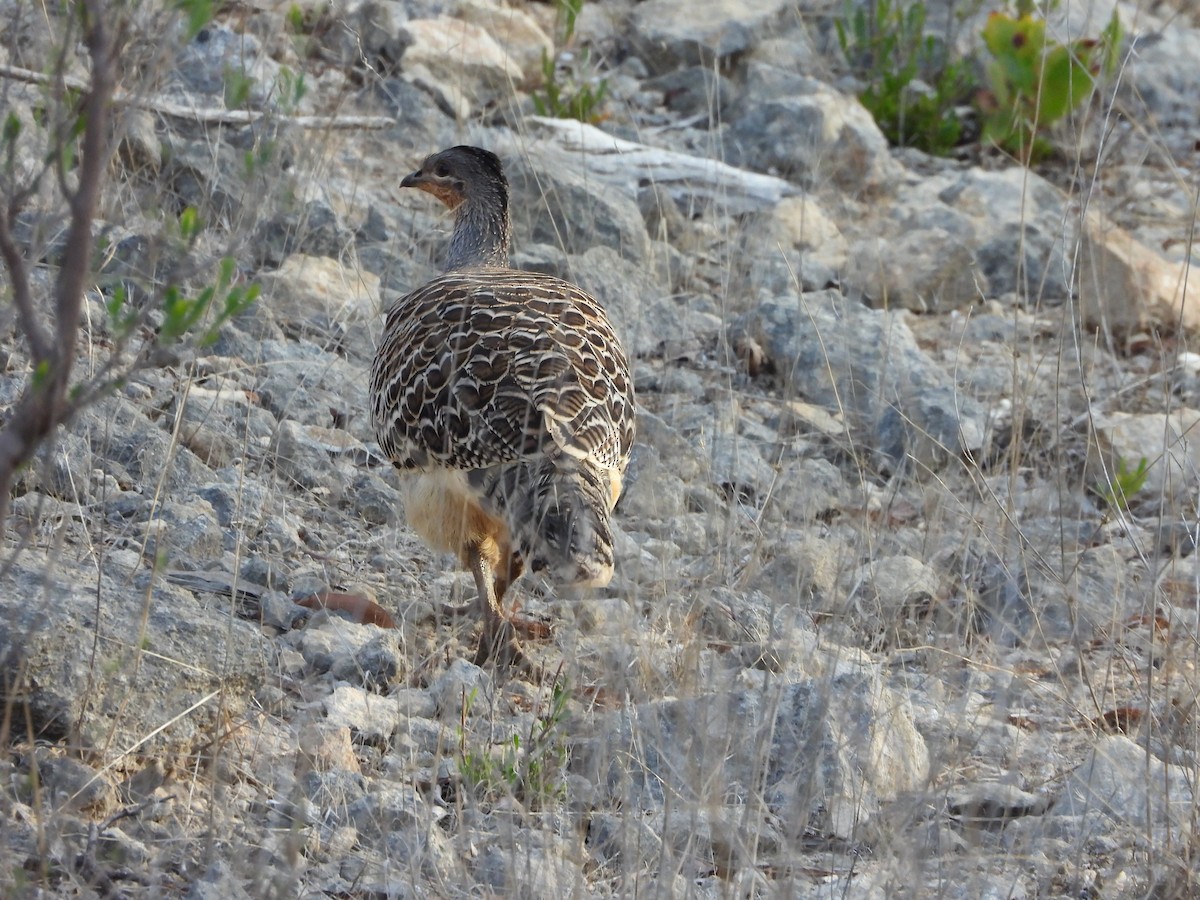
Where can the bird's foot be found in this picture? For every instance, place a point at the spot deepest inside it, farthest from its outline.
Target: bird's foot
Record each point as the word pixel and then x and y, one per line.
pixel 498 645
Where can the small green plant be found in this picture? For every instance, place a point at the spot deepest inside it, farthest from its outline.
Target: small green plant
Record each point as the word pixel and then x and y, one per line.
pixel 531 770
pixel 1125 484
pixel 570 92
pixel 1035 81
pixel 913 87
pixel 181 312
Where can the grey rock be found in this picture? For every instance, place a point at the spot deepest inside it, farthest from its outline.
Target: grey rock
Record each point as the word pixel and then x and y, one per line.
pixel 361 34
pixel 925 270
pixel 529 872
pixel 204 65
pixel 386 809
pixel 373 500
pixel 1105 799
pixel 369 716
pixel 553 206
pixel 865 364
pixel 1162 80
pixel 183 529
pixel 738 467
pixel 220 881
pixel 134 452
pixel 85 691
pixel 364 655
pixel 813 768
pixel 462 687
pixel 697 90
pixel 649 321
pixel 312 229
pixel 378 663
pixel 808 134
pixel 706 33
pixel 890 599
pixel 72 784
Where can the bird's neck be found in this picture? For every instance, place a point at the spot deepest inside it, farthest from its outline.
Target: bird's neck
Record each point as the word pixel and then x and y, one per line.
pixel 482 233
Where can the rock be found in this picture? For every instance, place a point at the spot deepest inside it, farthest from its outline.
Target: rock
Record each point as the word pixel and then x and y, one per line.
pixel 71 784
pixel 799 223
pixel 1105 800
pixel 192 179
pixel 1161 83
pixel 179 529
pixel 890 598
pixel 522 38
pixel 1124 439
pixel 528 871
pixel 461 689
pixel 739 468
pixel 698 90
pixel 363 655
pixel 832 351
pixel 204 66
pixel 553 205
pixel 1012 223
pixel 808 134
pixel 695 182
pixel 815 769
pixel 313 229
pixel 328 748
pixel 1125 285
pixel 460 53
pixel 369 716
pixel 361 34
pixel 183 654
pixel 929 270
pixel 220 425
pixel 313 291
pixel 705 33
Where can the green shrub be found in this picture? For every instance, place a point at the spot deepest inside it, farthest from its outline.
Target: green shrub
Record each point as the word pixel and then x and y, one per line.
pixel 1035 81
pixel 912 86
pixel 574 93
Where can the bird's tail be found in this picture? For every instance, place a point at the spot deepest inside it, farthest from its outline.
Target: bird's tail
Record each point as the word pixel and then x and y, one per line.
pixel 558 510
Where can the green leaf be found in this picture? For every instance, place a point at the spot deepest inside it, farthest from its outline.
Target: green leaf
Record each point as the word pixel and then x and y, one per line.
pixel 12 128
pixel 189 224
pixel 199 13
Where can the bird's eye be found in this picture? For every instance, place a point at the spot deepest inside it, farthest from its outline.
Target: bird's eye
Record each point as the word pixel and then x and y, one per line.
pixel 441 170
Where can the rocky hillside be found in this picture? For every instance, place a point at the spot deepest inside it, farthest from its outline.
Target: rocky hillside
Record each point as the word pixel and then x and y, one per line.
pixel 905 604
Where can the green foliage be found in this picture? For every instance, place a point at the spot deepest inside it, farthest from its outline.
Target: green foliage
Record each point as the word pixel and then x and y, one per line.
pixel 182 313
pixel 573 93
pixel 292 89
pixel 531 770
pixel 567 99
pixel 1125 484
pixel 199 13
pixel 912 86
pixel 1035 81
pixel 295 19
pixel 12 128
pixel 237 88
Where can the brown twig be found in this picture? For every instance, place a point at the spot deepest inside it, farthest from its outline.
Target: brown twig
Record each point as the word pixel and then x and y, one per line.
pixel 42 405
pixel 203 116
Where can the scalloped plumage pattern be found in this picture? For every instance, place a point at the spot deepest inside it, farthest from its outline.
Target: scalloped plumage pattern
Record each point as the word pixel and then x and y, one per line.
pixel 517 380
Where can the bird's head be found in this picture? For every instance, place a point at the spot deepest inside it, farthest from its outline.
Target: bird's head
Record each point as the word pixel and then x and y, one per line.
pixel 461 174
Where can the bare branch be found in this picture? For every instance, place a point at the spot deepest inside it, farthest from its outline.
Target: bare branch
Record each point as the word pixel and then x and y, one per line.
pixel 206 116
pixel 43 404
pixel 14 260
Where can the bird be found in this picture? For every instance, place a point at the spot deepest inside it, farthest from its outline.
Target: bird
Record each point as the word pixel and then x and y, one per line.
pixel 506 400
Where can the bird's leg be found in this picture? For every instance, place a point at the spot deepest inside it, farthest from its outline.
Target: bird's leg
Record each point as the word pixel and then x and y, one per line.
pixel 499 640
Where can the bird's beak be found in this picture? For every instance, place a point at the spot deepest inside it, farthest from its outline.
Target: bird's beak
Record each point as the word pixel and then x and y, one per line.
pixel 416 179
